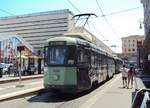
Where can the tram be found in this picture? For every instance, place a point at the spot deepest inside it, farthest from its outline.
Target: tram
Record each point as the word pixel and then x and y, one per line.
pixel 118 64
pixel 72 65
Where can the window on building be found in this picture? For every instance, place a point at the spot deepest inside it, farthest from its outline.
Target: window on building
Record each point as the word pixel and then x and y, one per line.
pixel 133 49
pixel 133 45
pixel 129 49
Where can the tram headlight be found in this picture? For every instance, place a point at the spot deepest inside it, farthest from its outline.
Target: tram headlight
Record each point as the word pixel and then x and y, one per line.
pixel 45 69
pixel 55 77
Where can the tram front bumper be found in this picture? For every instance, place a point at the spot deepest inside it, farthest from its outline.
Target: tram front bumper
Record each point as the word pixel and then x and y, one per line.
pixel 62 88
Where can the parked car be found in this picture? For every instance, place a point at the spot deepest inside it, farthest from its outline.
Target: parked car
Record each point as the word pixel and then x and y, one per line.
pixel 6 68
pixel 2 65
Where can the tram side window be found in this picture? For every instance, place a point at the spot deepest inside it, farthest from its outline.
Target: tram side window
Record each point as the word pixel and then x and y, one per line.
pixel 71 54
pixel 96 59
pixel 92 59
pixel 102 62
pixel 99 59
pixel 82 57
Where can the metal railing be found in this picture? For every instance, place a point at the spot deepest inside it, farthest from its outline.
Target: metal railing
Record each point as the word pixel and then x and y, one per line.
pixel 141 99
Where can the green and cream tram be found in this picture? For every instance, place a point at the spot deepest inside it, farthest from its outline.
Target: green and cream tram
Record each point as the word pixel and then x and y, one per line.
pixel 73 65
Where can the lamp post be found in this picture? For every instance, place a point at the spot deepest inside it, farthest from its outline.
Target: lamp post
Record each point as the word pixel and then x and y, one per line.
pixel 20 48
pixel 141 22
pixel 139 45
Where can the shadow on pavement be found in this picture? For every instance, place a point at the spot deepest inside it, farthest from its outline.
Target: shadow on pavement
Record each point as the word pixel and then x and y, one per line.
pixel 47 96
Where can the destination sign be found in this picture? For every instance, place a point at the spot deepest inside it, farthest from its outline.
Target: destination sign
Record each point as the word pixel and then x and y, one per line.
pixel 57 43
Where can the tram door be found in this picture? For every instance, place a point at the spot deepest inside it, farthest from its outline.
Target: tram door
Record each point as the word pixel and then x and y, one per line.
pixel 83 65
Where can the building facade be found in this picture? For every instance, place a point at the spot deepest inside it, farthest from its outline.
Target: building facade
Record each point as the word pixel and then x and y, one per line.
pixel 130 48
pixel 129 44
pixel 36 28
pixel 146 6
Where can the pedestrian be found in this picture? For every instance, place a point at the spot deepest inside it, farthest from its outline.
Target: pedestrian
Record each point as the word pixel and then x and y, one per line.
pixel 130 76
pixel 124 76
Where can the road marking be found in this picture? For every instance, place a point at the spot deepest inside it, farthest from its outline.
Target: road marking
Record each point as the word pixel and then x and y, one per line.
pixel 40 82
pixel 89 103
pixel 2 88
pixel 14 86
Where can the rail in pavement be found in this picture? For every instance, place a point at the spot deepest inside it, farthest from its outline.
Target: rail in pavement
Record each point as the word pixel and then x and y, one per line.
pixel 13 79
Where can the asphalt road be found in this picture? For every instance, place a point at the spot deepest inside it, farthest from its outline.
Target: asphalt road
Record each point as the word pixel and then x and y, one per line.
pixel 82 100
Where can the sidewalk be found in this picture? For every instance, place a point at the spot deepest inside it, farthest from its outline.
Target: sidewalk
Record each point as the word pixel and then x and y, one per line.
pixel 116 96
pixel 113 95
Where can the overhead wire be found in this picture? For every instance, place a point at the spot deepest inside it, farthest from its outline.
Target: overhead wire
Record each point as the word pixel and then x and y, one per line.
pixel 9 13
pixel 89 27
pixel 121 11
pixel 117 12
pixel 106 19
pixel 74 6
pixel 98 30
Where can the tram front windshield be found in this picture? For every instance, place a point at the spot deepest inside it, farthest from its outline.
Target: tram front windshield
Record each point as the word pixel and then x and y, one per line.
pixel 55 55
pixel 60 55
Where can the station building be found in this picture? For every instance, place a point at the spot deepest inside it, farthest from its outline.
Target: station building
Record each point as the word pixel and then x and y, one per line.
pixel 9 45
pixel 10 52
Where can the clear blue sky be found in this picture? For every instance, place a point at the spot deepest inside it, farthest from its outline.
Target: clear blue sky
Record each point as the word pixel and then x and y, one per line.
pixel 124 24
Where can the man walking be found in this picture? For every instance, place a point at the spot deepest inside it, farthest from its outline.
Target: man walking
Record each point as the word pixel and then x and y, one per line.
pixel 124 76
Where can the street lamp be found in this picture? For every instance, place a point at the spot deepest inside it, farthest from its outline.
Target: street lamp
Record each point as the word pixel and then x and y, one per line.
pixel 141 22
pixel 20 48
pixel 139 46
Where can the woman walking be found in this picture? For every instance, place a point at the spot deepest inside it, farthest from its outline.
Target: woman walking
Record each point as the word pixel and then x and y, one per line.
pixel 130 76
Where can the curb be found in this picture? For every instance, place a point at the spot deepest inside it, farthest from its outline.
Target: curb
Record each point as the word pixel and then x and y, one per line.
pixel 19 93
pixel 23 78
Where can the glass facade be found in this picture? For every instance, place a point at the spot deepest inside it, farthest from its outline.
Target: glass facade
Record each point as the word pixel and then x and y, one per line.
pixel 8 49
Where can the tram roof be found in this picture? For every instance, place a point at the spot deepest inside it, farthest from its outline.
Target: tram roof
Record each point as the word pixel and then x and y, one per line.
pixel 69 40
pixel 75 40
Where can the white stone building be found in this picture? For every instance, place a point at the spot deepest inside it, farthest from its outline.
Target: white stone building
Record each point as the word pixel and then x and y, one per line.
pixel 130 50
pixel 36 28
pixel 129 44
